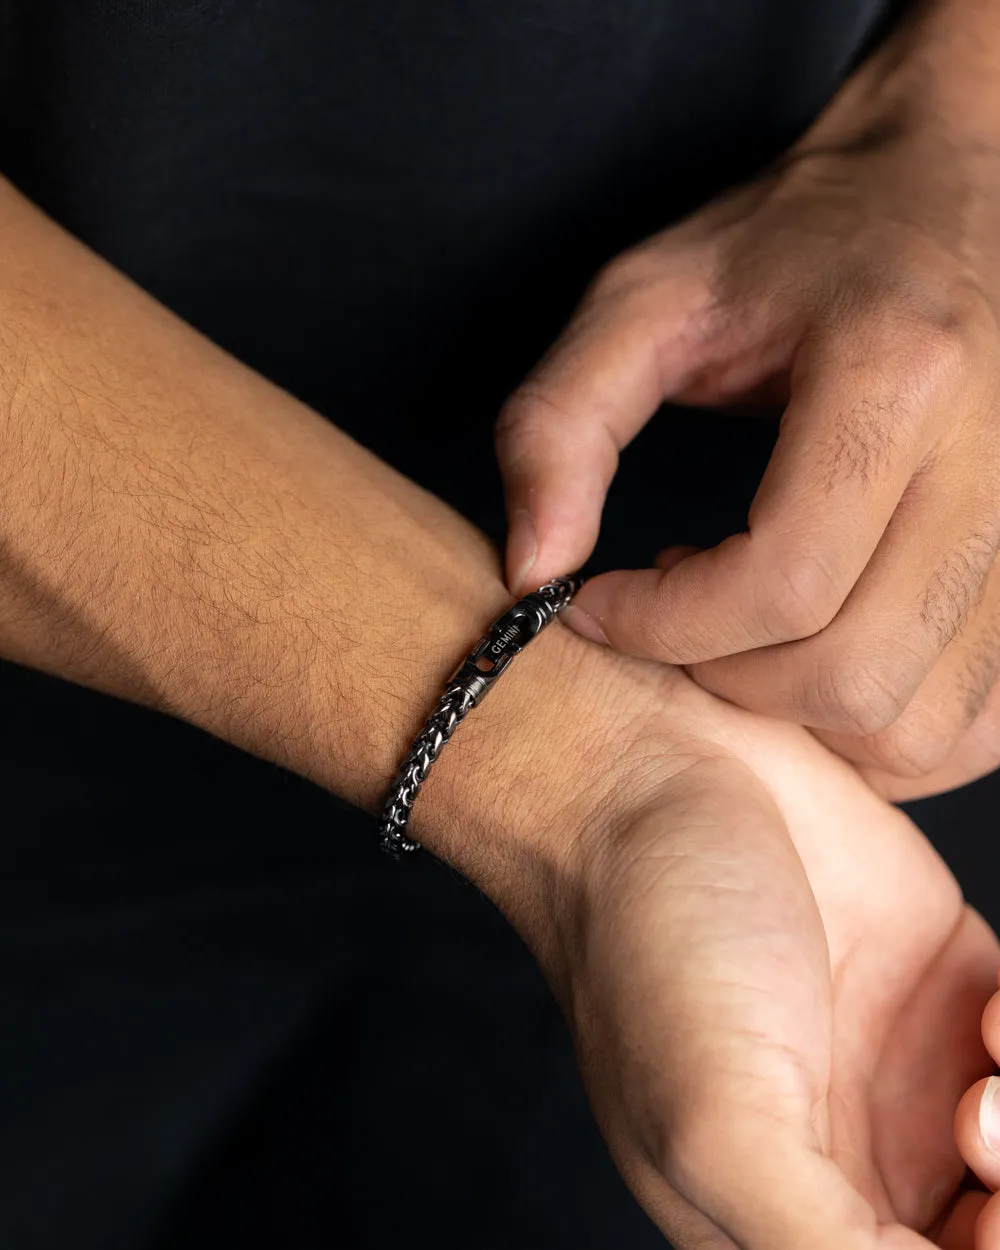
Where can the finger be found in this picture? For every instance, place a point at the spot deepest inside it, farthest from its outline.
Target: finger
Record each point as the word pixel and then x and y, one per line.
pixel 859 674
pixel 976 754
pixel 949 733
pixel 915 1092
pixel 977 1130
pixel 769 1192
pixel 632 342
pixel 991 1027
pixel 865 409
pixel 988 1226
pixel 958 1230
pixel 684 1227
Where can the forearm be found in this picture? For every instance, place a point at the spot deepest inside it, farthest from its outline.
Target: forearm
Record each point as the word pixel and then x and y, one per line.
pixel 176 531
pixel 938 70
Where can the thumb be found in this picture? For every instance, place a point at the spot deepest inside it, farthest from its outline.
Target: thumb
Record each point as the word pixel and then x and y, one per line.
pixel 704 1023
pixel 766 1189
pixel 704 1027
pixel 628 347
pixel 770 1193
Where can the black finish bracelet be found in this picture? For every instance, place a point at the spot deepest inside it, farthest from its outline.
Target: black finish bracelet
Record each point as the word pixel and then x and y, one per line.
pixel 508 635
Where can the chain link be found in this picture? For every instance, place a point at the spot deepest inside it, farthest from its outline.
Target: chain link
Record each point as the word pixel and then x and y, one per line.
pixel 489 657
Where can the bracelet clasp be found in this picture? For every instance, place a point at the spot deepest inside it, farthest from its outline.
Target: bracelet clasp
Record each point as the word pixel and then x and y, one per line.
pixel 507 636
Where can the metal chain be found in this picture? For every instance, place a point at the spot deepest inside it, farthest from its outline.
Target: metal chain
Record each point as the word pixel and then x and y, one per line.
pixel 505 638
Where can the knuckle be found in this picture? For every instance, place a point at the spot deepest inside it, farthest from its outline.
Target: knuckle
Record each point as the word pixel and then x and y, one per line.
pixel 514 434
pixel 650 627
pixel 517 407
pixel 935 342
pixel 626 273
pixel 527 414
pixel 917 744
pixel 941 348
pixel 860 697
pixel 801 597
pixel 928 345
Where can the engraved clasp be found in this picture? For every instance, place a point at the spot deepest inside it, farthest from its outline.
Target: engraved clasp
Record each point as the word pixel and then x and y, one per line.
pixel 491 655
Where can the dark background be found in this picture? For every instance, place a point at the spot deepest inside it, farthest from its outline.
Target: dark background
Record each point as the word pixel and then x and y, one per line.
pixel 230 1022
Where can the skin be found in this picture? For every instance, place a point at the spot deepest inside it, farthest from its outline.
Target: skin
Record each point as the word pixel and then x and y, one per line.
pixel 774 1041
pixel 855 285
pixel 977 1129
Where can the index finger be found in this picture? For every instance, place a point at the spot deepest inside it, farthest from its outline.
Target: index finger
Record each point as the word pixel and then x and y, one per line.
pixel 864 411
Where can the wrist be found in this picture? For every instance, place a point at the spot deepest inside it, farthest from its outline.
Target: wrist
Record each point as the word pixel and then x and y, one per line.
pixel 529 764
pixel 555 750
pixel 569 742
pixel 937 73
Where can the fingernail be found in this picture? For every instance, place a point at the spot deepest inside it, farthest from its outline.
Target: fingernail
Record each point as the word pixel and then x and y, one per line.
pixel 522 547
pixel 989 1115
pixel 584 624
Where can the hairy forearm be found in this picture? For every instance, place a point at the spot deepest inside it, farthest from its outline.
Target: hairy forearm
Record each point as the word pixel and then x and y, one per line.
pixel 175 530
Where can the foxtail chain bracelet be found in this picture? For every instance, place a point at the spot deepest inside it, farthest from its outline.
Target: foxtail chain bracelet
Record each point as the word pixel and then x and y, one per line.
pixel 507 636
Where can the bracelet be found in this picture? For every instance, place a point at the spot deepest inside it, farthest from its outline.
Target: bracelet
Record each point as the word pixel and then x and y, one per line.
pixel 508 635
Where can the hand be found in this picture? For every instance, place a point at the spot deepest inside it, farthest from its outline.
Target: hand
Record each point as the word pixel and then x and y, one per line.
pixel 857 284
pixel 773 986
pixel 977 1128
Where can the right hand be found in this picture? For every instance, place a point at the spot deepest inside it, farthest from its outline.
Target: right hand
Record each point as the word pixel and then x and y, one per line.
pixel 773 985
